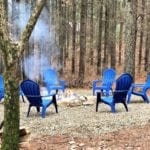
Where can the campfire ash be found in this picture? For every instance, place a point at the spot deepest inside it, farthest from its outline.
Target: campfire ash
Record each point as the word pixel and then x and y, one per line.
pixel 71 98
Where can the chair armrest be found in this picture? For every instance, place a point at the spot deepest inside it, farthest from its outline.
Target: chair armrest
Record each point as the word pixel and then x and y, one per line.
pixel 96 81
pixel 41 96
pixel 62 82
pixel 2 90
pixel 146 87
pixel 48 95
pixel 120 91
pixel 138 85
pixel 33 96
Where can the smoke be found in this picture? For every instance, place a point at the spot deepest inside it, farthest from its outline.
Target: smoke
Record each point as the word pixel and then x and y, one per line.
pixel 34 67
pixel 44 52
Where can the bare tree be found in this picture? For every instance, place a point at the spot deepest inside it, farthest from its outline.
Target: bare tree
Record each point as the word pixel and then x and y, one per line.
pixel 73 35
pixel 12 52
pixel 147 46
pixel 99 38
pixel 112 34
pixel 91 32
pixel 141 35
pixel 130 39
pixel 82 41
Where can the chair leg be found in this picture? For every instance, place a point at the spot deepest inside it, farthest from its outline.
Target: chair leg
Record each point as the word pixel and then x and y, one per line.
pixel 2 124
pixel 56 91
pixel 23 99
pixel 98 100
pixel 55 103
pixel 113 108
pixel 129 95
pixel 125 105
pixel 43 112
pixel 28 110
pixel 107 92
pixel 145 98
pixel 93 91
pixel 38 109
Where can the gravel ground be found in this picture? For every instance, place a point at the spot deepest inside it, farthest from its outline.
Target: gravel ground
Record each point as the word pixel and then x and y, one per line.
pixel 82 120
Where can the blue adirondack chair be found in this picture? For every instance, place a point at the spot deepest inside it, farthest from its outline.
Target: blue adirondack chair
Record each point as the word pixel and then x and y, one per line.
pixel 2 89
pixel 140 90
pixel 52 82
pixel 105 85
pixel 32 91
pixel 123 84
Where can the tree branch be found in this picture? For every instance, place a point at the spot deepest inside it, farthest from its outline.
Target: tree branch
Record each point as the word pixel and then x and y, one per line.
pixel 30 25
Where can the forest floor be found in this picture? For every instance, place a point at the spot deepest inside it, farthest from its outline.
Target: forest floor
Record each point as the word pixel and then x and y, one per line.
pixel 134 137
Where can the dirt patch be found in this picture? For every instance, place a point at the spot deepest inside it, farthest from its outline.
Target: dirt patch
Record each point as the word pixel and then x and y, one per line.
pixel 135 138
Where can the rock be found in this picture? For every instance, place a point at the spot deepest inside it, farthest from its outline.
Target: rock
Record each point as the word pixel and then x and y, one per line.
pixel 71 142
pixel 81 144
pixel 88 102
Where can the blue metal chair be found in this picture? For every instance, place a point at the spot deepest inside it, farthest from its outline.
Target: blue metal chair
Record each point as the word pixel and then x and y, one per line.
pixel 140 90
pixel 105 85
pixel 32 91
pixel 2 89
pixel 52 82
pixel 123 84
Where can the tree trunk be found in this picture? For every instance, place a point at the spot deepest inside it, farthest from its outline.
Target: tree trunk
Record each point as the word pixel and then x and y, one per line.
pixel 65 30
pixel 112 33
pixel 82 41
pixel 120 41
pixel 11 109
pixel 91 33
pixel 11 54
pixel 147 46
pixel 99 38
pixel 61 40
pixel 73 35
pixel 130 37
pixel 106 35
pixel 68 32
pixel 141 36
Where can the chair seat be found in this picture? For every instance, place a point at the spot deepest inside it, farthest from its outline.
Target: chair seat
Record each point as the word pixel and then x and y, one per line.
pixel 107 99
pixel 101 87
pixel 46 102
pixel 56 87
pixel 138 93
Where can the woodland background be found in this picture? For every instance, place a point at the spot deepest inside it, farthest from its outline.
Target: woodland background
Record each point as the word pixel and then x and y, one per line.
pixel 81 38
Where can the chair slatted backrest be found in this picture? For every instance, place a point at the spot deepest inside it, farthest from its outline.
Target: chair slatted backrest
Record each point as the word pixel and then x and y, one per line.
pixel 123 84
pixel 32 91
pixel 108 77
pixel 147 84
pixel 148 79
pixel 50 77
pixel 2 88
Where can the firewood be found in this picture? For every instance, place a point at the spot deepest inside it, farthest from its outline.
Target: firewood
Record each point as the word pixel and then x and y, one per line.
pixel 22 132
